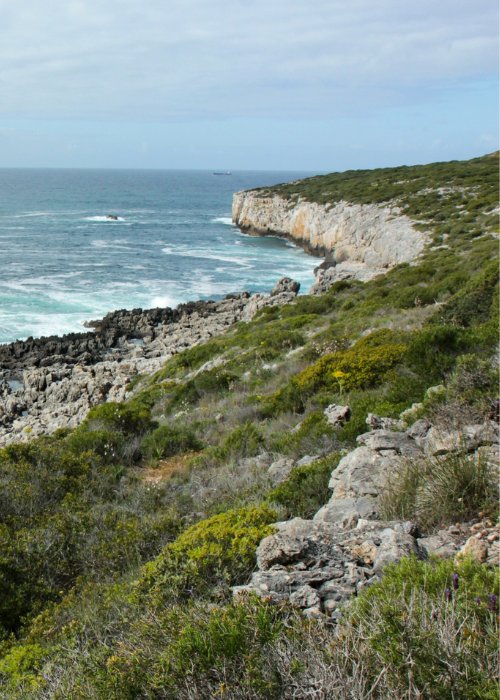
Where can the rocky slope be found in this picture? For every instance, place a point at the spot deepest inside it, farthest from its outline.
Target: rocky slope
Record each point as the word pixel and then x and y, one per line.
pixel 362 240
pixel 50 383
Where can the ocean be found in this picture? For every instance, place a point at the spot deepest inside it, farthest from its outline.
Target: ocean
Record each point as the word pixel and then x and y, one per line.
pixel 170 240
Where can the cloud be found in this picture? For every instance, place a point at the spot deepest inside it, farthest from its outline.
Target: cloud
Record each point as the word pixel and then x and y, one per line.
pixel 195 59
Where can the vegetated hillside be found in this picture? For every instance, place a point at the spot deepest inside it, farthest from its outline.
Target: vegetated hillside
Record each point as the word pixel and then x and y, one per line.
pixel 120 539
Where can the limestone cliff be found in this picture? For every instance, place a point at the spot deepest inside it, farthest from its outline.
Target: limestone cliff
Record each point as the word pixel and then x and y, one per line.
pixel 365 238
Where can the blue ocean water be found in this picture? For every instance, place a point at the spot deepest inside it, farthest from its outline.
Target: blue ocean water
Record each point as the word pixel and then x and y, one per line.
pixel 63 261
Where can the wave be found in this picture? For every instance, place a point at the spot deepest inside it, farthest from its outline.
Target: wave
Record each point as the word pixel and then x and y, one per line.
pixel 205 255
pixel 226 220
pixel 109 218
pixel 30 214
pixel 114 245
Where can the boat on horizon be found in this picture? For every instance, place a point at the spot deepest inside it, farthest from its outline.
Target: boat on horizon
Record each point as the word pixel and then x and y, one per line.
pixel 225 172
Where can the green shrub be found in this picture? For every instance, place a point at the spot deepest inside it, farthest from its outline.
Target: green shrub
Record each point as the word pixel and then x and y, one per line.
pixel 108 444
pixel 212 381
pixel 215 552
pixel 167 441
pixel 314 435
pixel 476 301
pixel 360 367
pixel 225 649
pixel 472 379
pixel 126 418
pixel 21 666
pixel 430 634
pixel 306 488
pixel 244 441
pixel 433 350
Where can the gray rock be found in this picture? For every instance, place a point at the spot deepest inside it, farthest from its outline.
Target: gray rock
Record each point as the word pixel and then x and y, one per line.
pixel 280 469
pixel 345 512
pixel 317 565
pixel 400 443
pixel 285 285
pixel 307 459
pixel 376 422
pixel 337 415
pixel 419 429
pixel 305 597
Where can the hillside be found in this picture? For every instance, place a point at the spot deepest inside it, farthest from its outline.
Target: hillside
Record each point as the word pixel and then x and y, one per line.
pixel 300 505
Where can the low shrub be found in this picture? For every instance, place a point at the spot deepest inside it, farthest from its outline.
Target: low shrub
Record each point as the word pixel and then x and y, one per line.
pixel 216 552
pixel 433 350
pixel 429 629
pixel 306 488
pixel 314 436
pixel 476 300
pixel 360 367
pixel 129 419
pixel 440 490
pixel 110 445
pixel 167 441
pixel 244 441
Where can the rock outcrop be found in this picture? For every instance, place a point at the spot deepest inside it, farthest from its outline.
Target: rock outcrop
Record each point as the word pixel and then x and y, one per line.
pixel 319 564
pixel 361 240
pixel 51 383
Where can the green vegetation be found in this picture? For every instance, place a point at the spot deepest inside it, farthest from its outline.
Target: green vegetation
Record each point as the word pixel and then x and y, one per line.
pixel 119 540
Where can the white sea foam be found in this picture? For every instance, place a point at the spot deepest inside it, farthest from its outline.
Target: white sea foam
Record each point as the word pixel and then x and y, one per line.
pixel 114 245
pixel 29 214
pixel 163 301
pixel 226 220
pixel 205 255
pixel 107 219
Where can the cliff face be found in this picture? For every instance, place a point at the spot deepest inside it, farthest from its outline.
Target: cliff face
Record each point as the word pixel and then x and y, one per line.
pixel 367 237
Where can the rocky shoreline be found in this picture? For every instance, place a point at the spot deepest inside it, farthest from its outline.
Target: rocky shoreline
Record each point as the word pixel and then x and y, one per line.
pixel 51 383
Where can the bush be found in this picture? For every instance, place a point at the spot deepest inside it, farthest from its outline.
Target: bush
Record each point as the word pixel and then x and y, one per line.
pixel 167 441
pixel 129 419
pixel 314 436
pixel 476 301
pixel 244 441
pixel 306 489
pixel 440 490
pixel 108 444
pixel 428 630
pixel 433 350
pixel 360 367
pixel 219 552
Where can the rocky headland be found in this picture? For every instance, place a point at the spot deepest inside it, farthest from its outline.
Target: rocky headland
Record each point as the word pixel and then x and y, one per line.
pixel 359 241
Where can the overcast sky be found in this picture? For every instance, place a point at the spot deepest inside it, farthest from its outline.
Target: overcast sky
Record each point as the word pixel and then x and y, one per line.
pixel 256 84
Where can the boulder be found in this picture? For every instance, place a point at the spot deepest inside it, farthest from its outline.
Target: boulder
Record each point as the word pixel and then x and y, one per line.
pixel 337 415
pixel 280 469
pixel 285 286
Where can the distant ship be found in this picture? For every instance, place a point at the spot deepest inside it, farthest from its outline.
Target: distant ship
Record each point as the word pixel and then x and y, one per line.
pixel 226 172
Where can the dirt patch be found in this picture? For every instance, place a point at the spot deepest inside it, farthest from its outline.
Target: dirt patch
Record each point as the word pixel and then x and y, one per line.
pixel 166 468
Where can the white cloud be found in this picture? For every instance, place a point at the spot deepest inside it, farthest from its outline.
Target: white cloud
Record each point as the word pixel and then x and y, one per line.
pixel 126 59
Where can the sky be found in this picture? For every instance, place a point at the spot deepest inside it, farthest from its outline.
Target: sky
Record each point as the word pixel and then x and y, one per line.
pixel 310 85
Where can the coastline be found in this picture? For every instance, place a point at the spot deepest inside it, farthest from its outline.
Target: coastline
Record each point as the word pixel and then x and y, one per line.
pixel 51 382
